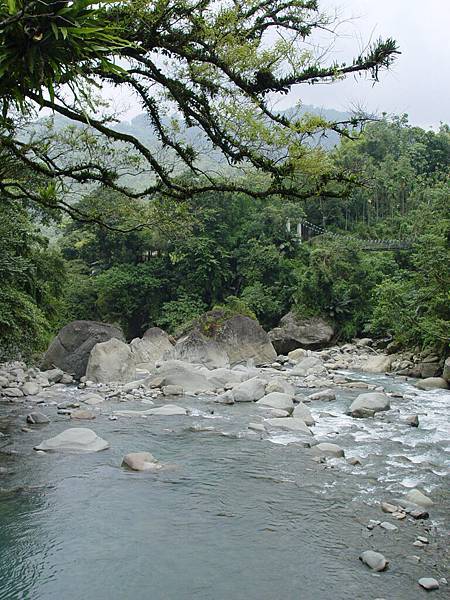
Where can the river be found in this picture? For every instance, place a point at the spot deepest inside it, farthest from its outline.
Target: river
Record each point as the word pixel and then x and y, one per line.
pixel 239 515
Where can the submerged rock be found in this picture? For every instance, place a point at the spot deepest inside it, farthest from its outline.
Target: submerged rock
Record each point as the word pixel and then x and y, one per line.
pixel 168 410
pixel 82 415
pixel 141 461
pixel 288 424
pixel 366 405
pixel 93 399
pixel 74 440
pixel 374 560
pixel 415 496
pixel 326 449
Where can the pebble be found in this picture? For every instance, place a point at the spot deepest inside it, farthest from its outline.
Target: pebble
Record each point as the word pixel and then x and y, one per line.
pixel 388 526
pixel 422 539
pixel 413 421
pixel 399 515
pixel 418 544
pixel 373 524
pixel 428 583
pixel 388 508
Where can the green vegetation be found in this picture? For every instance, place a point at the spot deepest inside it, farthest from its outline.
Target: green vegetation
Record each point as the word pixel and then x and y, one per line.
pixel 158 235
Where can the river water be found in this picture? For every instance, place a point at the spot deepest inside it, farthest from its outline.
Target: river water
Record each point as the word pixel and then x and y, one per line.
pixel 239 515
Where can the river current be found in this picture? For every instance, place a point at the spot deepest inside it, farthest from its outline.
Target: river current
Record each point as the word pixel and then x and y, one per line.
pixel 237 515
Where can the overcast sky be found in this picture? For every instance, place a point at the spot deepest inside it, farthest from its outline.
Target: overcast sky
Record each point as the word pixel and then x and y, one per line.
pixel 418 83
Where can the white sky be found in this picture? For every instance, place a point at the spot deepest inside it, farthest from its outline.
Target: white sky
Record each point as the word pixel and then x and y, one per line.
pixel 418 83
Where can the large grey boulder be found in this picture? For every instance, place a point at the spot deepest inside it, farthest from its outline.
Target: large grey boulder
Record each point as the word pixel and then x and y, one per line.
pixel 328 450
pixel 366 405
pixel 381 363
pixel 70 349
pixel 192 378
pixel 415 496
pixel 222 377
pixel 243 339
pixel 277 400
pixel 432 383
pixel 280 384
pixel 294 332
pixel 76 439
pixel 151 348
pixel 250 391
pixel 199 349
pixel 111 361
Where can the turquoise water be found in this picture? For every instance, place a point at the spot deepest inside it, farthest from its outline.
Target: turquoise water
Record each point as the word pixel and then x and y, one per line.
pixel 237 516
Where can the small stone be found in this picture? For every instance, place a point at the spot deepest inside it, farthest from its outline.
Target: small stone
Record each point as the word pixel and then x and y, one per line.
pixel 256 427
pixel 374 560
pixel 413 558
pixel 418 514
pixel 388 526
pixel 12 392
pixel 93 399
pixel 172 390
pixel 399 515
pixel 25 429
pixel 413 421
pixel 68 404
pixel 422 539
pixel 418 544
pixel 388 508
pixel 66 379
pixel 354 461
pixel 326 449
pixel 112 418
pixel 82 415
pixel 372 524
pixel 429 583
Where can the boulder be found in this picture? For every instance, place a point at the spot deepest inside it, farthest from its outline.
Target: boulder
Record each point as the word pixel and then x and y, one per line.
pixel 446 370
pixel 327 395
pixel 250 391
pixel 428 583
pixel 310 364
pixel 71 348
pixel 225 398
pixel 141 461
pixel 294 332
pixel 366 405
pixel 53 375
pixel 37 418
pixel 12 392
pixel 93 399
pixel 199 349
pixel 30 388
pixel 193 379
pixel 381 363
pixel 76 439
pixel 288 424
pixel 277 400
pixel 296 355
pixel 222 377
pixel 302 412
pixel 432 383
pixel 374 560
pixel 279 384
pixel 326 449
pixel 243 339
pixel 151 348
pixel 415 496
pixel 111 361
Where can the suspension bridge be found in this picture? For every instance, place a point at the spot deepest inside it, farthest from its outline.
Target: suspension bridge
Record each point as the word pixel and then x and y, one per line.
pixel 307 231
